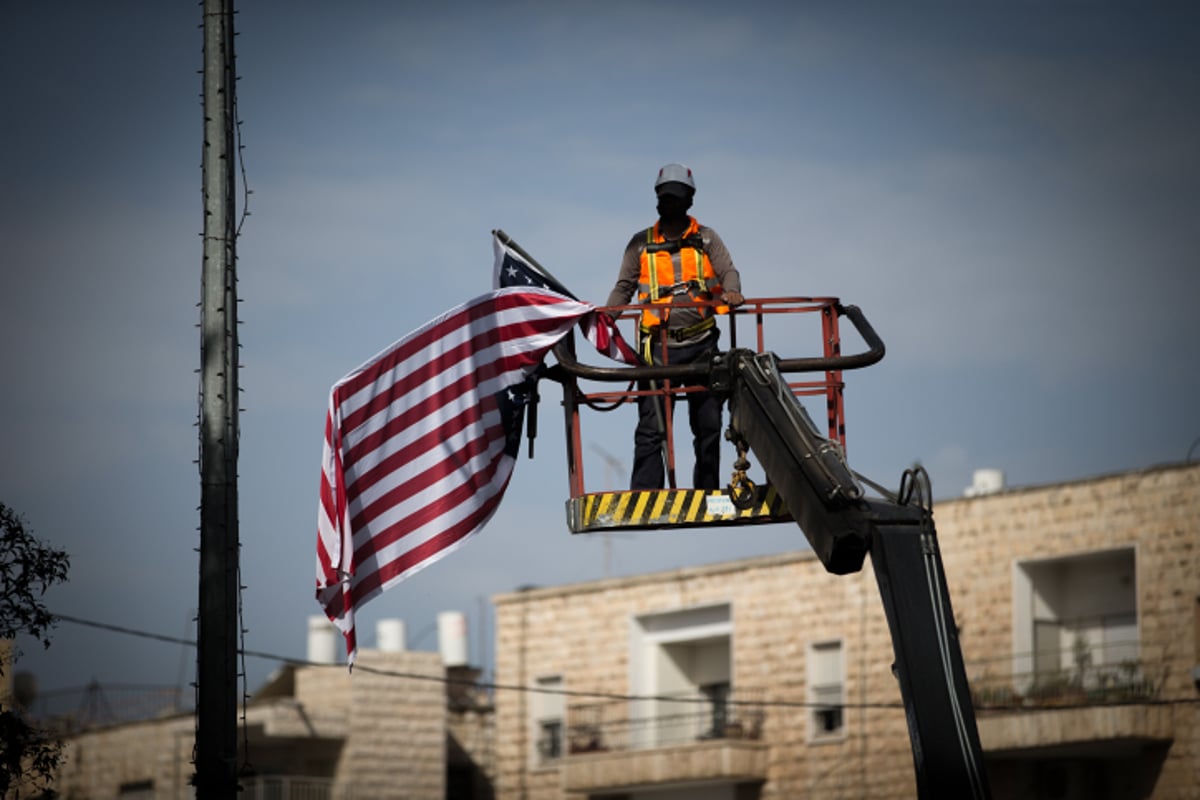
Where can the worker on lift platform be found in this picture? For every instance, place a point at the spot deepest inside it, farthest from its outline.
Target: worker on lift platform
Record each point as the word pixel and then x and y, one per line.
pixel 677 260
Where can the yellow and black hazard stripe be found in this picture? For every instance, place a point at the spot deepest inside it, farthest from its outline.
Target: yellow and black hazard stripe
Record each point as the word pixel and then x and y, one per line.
pixel 668 508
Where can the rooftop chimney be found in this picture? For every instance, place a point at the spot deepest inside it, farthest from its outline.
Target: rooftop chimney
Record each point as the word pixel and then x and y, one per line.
pixel 452 638
pixel 322 640
pixel 986 481
pixel 390 636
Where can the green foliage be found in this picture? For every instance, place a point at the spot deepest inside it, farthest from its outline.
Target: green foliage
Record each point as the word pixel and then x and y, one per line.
pixel 28 755
pixel 27 569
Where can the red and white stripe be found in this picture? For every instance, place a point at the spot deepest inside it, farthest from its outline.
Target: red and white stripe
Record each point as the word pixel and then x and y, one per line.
pixel 601 330
pixel 414 461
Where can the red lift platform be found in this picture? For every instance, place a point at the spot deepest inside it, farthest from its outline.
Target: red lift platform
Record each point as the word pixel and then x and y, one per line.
pixel 740 502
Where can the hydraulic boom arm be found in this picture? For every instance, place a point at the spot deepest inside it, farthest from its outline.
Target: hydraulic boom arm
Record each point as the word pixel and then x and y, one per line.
pixel 843 525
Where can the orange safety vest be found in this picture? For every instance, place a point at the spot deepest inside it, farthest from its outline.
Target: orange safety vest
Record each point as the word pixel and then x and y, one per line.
pixel 675 269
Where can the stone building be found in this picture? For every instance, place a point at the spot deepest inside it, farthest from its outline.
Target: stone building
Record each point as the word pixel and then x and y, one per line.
pixel 403 726
pixel 1078 609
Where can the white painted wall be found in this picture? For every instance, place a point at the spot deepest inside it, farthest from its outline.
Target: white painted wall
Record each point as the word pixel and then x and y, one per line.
pixel 675 652
pixel 1094 593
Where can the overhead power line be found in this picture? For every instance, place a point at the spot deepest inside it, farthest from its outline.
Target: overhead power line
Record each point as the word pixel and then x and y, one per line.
pixel 591 695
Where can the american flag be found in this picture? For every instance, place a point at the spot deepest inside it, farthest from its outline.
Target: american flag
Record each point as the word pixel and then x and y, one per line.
pixel 512 269
pixel 420 442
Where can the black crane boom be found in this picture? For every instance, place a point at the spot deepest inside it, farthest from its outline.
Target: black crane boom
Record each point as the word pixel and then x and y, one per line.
pixel 810 482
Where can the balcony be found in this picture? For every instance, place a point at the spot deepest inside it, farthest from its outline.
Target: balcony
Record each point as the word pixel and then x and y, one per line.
pixel 666 739
pixel 1079 676
pixel 1086 707
pixel 285 787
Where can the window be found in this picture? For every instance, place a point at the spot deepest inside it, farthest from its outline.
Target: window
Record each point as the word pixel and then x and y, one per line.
pixel 718 698
pixel 550 739
pixel 826 691
pixel 135 790
pixel 681 655
pixel 548 717
pixel 1196 629
pixel 1075 621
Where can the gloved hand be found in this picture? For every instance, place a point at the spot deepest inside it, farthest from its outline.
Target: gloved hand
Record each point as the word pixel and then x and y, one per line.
pixel 732 298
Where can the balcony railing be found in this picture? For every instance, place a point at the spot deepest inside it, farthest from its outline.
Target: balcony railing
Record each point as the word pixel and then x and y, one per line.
pixel 664 721
pixel 1084 684
pixel 285 787
pixel 69 711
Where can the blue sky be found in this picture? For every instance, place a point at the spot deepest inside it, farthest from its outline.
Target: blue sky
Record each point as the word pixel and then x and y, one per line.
pixel 1009 192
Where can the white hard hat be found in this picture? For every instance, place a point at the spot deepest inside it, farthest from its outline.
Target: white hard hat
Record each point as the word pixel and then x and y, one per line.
pixel 675 174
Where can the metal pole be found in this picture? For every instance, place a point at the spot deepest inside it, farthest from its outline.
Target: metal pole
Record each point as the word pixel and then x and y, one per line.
pixel 508 240
pixel 216 692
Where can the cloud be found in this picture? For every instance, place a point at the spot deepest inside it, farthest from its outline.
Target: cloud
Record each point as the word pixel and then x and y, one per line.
pixel 1008 196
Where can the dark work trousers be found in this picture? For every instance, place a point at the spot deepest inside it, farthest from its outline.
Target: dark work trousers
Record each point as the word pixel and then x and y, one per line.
pixel 704 413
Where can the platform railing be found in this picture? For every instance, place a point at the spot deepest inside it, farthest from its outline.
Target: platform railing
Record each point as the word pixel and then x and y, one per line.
pixel 669 380
pixel 665 721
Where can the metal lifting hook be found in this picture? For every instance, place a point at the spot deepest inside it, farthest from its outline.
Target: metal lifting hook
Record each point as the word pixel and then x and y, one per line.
pixel 742 491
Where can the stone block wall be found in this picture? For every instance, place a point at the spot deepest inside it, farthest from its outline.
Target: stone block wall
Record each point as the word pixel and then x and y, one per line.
pixel 1156 512
pixel 390 716
pixel 97 764
pixel 782 604
pixel 396 743
pixel 779 606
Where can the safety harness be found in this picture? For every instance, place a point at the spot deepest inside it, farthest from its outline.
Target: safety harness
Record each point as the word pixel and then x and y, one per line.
pixel 694 279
